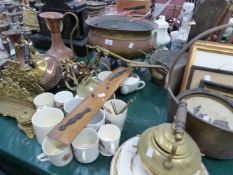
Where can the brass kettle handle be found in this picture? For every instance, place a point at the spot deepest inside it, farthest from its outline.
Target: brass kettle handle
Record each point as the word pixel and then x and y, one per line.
pixel 180 121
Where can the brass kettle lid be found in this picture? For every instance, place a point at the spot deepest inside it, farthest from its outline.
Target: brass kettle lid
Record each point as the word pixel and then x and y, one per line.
pixel 163 136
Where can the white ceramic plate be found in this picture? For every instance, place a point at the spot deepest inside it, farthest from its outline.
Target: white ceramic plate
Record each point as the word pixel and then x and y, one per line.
pixel 127 160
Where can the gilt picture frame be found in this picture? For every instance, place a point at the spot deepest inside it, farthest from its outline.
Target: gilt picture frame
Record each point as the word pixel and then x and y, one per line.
pixel 208 54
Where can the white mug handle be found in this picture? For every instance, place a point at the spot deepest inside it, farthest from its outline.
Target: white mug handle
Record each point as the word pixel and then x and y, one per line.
pixel 42 157
pixel 84 158
pixel 141 85
pixel 112 149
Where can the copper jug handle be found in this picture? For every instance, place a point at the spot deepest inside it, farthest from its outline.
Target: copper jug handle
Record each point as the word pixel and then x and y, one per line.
pixel 180 121
pixel 76 26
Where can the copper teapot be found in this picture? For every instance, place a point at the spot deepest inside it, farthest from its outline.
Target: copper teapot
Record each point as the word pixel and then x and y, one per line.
pixel 167 149
pixel 46 68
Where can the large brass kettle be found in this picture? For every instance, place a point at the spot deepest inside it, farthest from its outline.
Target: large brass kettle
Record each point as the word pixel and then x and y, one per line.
pixel 167 149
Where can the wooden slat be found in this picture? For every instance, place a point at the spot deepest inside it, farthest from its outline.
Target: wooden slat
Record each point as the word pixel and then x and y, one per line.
pixel 89 107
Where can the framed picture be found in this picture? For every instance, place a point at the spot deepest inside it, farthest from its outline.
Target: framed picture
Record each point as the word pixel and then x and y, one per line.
pixel 198 73
pixel 216 87
pixel 207 54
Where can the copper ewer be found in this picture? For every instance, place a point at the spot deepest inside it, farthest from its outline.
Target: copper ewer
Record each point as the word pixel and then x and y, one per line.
pixel 58 49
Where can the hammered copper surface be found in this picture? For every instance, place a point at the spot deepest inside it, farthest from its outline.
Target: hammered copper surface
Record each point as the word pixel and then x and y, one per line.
pixel 126 44
pixel 127 37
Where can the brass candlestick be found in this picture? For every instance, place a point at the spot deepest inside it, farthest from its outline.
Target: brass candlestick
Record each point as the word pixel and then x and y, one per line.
pixel 15 38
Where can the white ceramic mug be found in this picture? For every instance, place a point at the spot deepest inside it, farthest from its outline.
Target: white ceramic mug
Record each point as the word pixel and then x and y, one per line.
pixel 44 120
pixel 109 136
pixel 132 84
pixel 85 146
pixel 103 75
pixel 70 105
pixel 111 117
pixel 57 153
pixel 97 121
pixel 76 96
pixel 44 100
pixel 62 97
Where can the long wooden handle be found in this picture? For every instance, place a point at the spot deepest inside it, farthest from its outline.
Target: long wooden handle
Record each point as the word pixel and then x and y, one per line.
pixel 74 122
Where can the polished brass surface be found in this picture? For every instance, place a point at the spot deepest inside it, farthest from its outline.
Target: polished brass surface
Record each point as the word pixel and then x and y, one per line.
pixel 167 149
pixel 87 85
pixel 40 67
pixel 160 139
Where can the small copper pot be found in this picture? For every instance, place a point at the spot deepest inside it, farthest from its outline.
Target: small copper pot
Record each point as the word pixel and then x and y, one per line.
pixel 48 69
